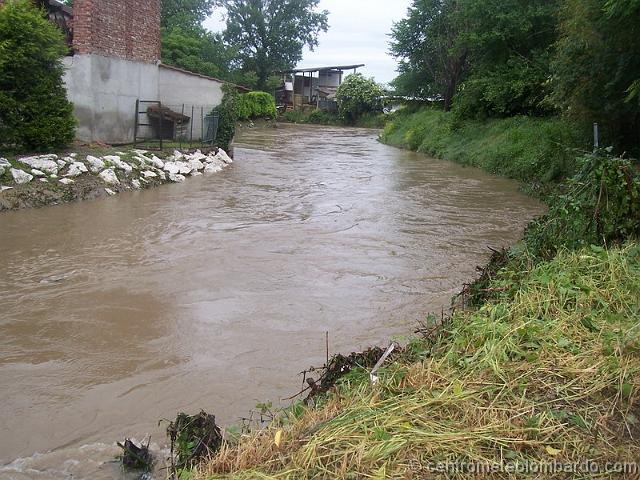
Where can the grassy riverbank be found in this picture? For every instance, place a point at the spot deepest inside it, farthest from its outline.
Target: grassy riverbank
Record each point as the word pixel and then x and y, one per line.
pixel 536 151
pixel 547 370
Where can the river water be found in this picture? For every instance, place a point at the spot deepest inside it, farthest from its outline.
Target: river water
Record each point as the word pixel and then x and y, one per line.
pixel 215 293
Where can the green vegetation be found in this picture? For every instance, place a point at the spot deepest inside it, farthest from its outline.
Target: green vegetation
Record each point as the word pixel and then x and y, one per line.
pixel 321 117
pixel 255 105
pixel 34 111
pixel 358 96
pixel 578 59
pixel 537 151
pixel 227 117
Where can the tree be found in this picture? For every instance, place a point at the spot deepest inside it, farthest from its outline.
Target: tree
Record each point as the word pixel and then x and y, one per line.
pixel 358 96
pixel 198 51
pixel 597 67
pixel 185 14
pixel 270 34
pixel 433 61
pixel 510 44
pixel 34 111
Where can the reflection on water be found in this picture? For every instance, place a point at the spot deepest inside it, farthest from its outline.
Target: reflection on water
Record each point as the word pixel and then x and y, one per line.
pixel 214 293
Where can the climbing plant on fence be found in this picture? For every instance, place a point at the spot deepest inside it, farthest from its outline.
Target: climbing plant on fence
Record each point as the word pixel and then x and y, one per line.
pixel 256 105
pixel 34 111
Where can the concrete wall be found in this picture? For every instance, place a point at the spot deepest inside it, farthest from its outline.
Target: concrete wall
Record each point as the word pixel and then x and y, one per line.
pixel 104 91
pixel 197 93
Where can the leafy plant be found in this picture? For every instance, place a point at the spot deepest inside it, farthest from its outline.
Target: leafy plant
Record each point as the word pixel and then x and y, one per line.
pixel 358 95
pixel 34 111
pixel 255 105
pixel 599 206
pixel 227 116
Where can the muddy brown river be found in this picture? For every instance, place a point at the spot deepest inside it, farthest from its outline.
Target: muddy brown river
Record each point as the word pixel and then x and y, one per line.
pixel 215 293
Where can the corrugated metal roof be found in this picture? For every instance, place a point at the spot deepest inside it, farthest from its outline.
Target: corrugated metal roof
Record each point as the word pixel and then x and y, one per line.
pixel 322 69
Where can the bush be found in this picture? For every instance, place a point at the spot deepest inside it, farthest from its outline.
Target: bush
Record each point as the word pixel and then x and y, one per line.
pixel 358 96
pixel 599 206
pixel 255 105
pixel 227 116
pixel 34 111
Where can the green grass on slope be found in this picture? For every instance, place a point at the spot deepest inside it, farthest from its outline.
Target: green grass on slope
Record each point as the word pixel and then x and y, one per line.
pixel 536 151
pixel 547 371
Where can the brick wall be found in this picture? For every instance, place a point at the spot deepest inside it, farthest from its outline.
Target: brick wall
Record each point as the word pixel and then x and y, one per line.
pixel 127 29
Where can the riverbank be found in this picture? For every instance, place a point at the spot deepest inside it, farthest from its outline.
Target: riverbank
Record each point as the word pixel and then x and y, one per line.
pixel 540 152
pixel 541 376
pixel 545 373
pixel 52 179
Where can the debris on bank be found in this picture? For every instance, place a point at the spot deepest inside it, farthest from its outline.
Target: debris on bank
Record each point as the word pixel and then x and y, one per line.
pixel 193 438
pixel 51 179
pixel 136 457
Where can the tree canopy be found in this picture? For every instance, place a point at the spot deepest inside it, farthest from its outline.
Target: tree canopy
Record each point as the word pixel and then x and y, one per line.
pixel 271 34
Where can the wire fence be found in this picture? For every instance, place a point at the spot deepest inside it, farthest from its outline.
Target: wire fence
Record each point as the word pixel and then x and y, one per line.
pixel 160 126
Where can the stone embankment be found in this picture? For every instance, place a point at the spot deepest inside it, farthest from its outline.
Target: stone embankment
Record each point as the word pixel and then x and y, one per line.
pixel 52 179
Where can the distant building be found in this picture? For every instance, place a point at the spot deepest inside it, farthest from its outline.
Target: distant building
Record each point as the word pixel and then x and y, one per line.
pixel 312 87
pixel 114 61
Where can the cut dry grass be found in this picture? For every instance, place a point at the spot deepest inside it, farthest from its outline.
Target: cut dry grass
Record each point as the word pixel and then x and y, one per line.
pixel 546 372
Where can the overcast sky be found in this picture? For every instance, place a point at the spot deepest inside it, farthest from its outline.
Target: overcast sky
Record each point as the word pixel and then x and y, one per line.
pixel 358 33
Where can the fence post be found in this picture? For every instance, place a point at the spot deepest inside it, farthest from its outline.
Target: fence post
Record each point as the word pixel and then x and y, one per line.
pixel 135 124
pixel 201 125
pixel 161 125
pixel 191 127
pixel 596 136
pixel 181 124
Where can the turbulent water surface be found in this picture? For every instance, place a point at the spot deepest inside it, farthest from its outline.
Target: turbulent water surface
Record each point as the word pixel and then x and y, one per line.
pixel 215 293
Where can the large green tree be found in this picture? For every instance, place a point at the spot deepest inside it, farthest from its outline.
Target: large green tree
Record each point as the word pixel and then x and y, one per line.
pixel 433 61
pixel 185 14
pixel 271 34
pixel 597 67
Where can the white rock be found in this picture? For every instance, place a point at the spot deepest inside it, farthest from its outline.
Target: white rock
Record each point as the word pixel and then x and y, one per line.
pixel 69 160
pixel 3 188
pixel 95 164
pixel 66 181
pixel 196 156
pixel 149 174
pixel 44 163
pixel 140 152
pixel 135 183
pixel 61 163
pixel 37 173
pixel 212 168
pixel 53 176
pixel 157 162
pixel 115 160
pixel 196 174
pixel 178 155
pixel 21 177
pixel 4 163
pixel 176 177
pixel 172 167
pixel 76 169
pixel 222 155
pixel 43 180
pixel 109 192
pixel 185 168
pixel 109 177
pixel 2 170
pixel 73 155
pixel 196 165
pixel 161 174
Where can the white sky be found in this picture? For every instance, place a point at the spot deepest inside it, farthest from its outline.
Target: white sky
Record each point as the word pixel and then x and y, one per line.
pixel 358 33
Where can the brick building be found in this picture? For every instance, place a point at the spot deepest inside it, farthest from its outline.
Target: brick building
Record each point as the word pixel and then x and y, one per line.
pixel 115 60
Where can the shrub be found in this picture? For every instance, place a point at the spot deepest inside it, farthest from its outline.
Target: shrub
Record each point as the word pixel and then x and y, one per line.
pixel 256 105
pixel 357 96
pixel 599 206
pixel 227 116
pixel 34 111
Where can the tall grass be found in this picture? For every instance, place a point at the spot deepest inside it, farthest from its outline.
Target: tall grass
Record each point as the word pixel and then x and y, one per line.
pixel 547 371
pixel 536 151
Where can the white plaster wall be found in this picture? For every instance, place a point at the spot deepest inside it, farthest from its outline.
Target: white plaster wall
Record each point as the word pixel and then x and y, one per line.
pixel 199 95
pixel 104 91
pixel 330 79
